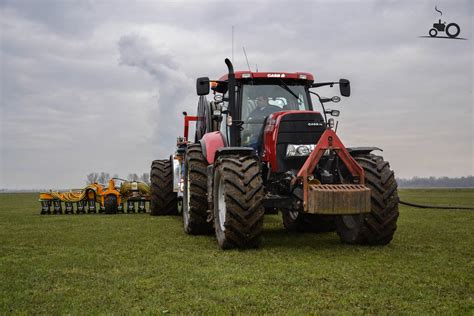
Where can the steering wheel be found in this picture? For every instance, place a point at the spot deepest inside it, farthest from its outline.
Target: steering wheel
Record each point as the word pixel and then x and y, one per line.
pixel 269 109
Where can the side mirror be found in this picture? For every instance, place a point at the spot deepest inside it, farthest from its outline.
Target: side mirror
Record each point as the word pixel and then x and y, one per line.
pixel 345 87
pixel 333 112
pixel 202 86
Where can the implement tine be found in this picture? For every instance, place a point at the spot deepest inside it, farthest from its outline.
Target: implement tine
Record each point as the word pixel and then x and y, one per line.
pixel 58 209
pixel 130 207
pixel 45 207
pixel 141 206
pixel 69 208
pixel 80 207
pixel 91 207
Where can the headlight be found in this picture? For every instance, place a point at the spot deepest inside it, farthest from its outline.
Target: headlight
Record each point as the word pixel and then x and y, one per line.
pixel 331 123
pixel 293 150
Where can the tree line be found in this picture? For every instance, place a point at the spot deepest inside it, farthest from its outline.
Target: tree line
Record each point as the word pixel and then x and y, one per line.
pixel 104 177
pixel 434 182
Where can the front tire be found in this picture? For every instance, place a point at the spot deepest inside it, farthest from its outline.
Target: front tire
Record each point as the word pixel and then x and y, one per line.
pixel 163 199
pixel 378 226
pixel 238 209
pixel 433 32
pixel 195 193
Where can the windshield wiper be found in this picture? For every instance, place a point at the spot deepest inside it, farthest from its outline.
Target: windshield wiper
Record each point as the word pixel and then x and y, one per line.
pixel 285 86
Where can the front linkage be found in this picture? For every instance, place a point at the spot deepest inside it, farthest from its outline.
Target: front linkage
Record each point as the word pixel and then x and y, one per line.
pixel 333 199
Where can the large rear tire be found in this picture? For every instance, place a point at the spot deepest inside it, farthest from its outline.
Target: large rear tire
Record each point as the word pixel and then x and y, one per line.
pixel 378 226
pixel 195 193
pixel 308 223
pixel 238 209
pixel 163 199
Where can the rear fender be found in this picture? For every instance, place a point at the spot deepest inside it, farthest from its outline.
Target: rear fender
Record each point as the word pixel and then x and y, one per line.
pixel 210 144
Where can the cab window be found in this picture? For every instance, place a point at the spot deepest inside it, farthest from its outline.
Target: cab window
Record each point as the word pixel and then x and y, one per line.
pixel 261 100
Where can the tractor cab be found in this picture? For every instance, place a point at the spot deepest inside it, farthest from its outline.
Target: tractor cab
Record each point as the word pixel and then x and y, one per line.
pixel 268 112
pixel 259 95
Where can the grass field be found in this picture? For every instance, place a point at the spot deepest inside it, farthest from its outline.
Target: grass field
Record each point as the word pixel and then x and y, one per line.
pixel 94 264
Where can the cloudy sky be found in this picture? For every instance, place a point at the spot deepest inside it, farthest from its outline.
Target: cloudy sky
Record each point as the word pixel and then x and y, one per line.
pixel 99 85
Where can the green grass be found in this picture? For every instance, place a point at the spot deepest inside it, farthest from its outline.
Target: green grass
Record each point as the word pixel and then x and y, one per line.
pixel 95 264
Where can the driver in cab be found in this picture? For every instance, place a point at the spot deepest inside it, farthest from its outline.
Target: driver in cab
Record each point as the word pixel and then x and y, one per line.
pixel 256 118
pixel 262 109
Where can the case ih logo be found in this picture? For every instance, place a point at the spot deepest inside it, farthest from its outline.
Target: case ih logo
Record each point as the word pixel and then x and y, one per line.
pixel 276 75
pixel 452 30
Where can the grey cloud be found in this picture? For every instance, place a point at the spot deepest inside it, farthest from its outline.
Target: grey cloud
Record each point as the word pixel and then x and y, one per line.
pixel 137 51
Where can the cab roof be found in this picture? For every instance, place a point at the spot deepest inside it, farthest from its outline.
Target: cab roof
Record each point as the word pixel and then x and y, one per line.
pixel 303 76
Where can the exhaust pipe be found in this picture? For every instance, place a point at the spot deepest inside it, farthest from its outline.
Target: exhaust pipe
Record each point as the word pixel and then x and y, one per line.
pixel 234 128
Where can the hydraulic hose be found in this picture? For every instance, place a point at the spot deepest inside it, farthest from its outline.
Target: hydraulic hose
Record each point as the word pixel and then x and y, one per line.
pixel 72 196
pixel 442 207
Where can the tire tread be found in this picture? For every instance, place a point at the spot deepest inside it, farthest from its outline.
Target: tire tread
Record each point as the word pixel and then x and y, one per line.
pixel 163 199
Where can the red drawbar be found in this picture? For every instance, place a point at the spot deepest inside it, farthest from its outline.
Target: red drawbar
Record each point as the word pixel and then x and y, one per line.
pixel 187 119
pixel 329 140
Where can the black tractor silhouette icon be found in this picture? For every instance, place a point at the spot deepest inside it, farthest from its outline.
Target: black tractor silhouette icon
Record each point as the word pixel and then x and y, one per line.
pixel 452 29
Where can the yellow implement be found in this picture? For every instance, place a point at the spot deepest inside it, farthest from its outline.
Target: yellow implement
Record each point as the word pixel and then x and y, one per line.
pixel 111 199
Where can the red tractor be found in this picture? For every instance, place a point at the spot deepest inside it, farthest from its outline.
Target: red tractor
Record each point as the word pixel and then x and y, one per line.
pixel 260 146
